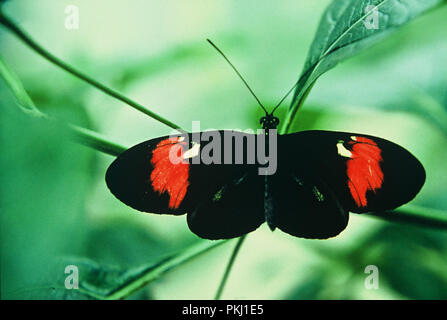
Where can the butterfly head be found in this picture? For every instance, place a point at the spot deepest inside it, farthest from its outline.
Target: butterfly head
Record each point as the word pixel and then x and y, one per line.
pixel 269 121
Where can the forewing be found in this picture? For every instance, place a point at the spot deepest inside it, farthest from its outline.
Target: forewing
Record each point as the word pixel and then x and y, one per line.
pixel 164 175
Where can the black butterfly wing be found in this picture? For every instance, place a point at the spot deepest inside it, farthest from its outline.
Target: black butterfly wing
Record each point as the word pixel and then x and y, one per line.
pixel 306 207
pixel 222 200
pixel 322 175
pixel 235 209
pixel 365 173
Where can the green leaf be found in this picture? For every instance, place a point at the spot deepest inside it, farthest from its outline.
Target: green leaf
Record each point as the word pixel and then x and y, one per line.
pixel 106 282
pixel 24 102
pixel 345 29
pixel 95 282
pixel 147 274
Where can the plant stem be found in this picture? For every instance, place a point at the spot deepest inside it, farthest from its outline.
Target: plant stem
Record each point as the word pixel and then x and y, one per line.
pixel 95 141
pixel 229 267
pixel 9 24
pixel 288 121
pixel 154 273
pixel 421 216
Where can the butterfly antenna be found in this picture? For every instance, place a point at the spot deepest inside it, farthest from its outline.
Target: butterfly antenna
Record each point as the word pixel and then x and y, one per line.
pixel 240 76
pixel 284 98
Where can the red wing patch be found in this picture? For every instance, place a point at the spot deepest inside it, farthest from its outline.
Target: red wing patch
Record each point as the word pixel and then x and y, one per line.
pixel 168 175
pixel 363 169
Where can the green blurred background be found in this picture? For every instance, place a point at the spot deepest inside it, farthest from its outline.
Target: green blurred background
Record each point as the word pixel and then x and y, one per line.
pixel 54 201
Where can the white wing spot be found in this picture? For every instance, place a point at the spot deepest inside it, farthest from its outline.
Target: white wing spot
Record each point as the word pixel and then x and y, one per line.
pixel 191 153
pixel 343 151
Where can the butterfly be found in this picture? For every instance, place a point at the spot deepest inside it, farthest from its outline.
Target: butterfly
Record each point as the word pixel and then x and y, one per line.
pixel 316 179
